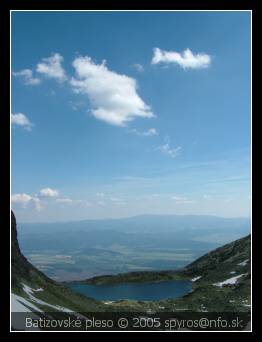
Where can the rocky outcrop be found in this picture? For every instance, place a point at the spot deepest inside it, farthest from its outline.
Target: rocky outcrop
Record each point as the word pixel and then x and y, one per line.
pixel 22 270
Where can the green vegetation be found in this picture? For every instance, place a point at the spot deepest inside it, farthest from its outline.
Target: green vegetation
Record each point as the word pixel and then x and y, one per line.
pixel 131 277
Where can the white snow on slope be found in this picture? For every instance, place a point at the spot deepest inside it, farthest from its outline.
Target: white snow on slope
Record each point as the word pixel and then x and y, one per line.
pixel 20 304
pixel 243 263
pixel 230 281
pixel 203 308
pixel 196 278
pixel 29 291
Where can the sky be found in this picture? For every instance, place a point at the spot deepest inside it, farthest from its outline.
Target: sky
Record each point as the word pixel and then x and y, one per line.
pixel 116 114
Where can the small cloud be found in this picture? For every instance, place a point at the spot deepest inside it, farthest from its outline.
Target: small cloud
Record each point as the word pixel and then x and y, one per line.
pixel 115 199
pixel 168 150
pixel 51 67
pixel 113 97
pixel 83 202
pixel 48 192
pixel 207 197
pixel 100 194
pixel 186 59
pixel 69 201
pixel 37 203
pixel 21 198
pixel 138 67
pixel 148 133
pixel 24 200
pixel 181 200
pixel 21 119
pixel 150 197
pixel 27 76
pixel 64 200
pixel 101 203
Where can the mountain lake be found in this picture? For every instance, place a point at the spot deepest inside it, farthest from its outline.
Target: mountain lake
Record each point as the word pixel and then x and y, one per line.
pixel 136 291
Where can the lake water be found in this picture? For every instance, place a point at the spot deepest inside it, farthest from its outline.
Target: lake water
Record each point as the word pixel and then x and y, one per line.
pixel 136 291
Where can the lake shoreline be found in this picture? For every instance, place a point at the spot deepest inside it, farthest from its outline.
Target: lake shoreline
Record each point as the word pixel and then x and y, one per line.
pixel 133 277
pixel 139 291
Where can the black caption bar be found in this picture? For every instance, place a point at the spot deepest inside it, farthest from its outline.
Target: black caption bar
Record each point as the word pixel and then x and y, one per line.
pixel 135 321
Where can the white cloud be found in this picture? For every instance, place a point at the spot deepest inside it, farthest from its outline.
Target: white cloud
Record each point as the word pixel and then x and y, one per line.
pixel 148 133
pixel 51 67
pixel 181 200
pixel 117 201
pixel 48 192
pixel 64 200
pixel 37 203
pixel 69 201
pixel 24 200
pixel 167 149
pixel 185 59
pixel 27 76
pixel 113 96
pixel 100 194
pixel 138 67
pixel 21 119
pixel 101 203
pixel 21 198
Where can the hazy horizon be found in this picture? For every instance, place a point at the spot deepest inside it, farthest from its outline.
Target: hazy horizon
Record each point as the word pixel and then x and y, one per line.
pixel 136 216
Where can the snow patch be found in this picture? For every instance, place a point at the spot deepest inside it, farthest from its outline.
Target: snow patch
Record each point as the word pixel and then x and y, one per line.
pixel 203 308
pixel 243 263
pixel 29 291
pixel 230 281
pixel 196 278
pixel 180 309
pixel 20 304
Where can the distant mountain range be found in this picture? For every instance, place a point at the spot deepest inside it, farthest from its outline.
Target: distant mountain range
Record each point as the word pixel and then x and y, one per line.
pixel 83 249
pixel 145 224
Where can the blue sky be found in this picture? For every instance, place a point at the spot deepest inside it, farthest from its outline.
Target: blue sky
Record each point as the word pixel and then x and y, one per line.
pixel 117 114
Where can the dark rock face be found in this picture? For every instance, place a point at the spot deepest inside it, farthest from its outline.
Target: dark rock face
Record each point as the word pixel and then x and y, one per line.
pixel 20 266
pixel 15 247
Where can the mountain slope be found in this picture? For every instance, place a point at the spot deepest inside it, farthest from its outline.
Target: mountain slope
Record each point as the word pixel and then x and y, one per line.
pixel 33 291
pixel 222 279
pixel 233 257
